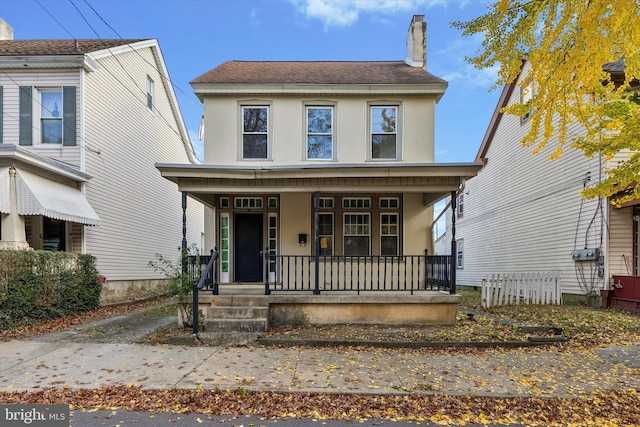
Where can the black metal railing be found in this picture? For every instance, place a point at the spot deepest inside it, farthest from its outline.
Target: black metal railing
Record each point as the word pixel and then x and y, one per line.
pixel 356 273
pixel 203 271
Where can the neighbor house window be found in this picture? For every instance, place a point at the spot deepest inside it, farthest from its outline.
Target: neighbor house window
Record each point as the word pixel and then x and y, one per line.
pixel 319 133
pixel 54 117
pixel 149 93
pixel 255 132
pixel 384 135
pixel 460 253
pixel 460 205
pixel 325 233
pixel 526 93
pixel 51 116
pixel 389 234
pixel 357 232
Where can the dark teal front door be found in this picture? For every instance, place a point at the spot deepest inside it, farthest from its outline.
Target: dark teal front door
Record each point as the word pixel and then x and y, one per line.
pixel 248 247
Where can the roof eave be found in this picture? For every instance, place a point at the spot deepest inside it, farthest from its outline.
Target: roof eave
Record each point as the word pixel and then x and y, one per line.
pixel 203 90
pixel 24 62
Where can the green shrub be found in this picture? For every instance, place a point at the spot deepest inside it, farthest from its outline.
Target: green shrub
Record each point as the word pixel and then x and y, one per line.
pixel 41 285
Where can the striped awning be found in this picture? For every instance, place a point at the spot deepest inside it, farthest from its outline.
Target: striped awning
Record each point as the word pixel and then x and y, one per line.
pixel 37 195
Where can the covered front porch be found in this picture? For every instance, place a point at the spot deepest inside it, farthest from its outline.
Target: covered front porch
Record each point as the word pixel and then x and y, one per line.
pixel 348 243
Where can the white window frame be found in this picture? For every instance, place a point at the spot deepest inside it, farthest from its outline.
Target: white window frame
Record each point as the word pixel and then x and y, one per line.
pixel 389 202
pixel 387 233
pixel 460 205
pixel 309 134
pixel 356 202
pixel 272 238
pixel 248 203
pixel 332 235
pixel 347 233
pixel 225 252
pixel 460 254
pixel 526 93
pixel 150 93
pixel 267 133
pixel 396 133
pixel 40 91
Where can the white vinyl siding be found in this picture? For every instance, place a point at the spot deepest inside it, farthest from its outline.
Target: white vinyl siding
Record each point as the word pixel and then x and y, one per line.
pixel 524 213
pixel 11 98
pixel 140 212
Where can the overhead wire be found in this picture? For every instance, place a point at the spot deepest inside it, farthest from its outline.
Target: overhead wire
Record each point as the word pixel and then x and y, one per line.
pixel 142 91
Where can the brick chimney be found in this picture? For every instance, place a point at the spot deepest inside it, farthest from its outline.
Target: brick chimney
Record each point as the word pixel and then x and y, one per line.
pixel 6 30
pixel 417 42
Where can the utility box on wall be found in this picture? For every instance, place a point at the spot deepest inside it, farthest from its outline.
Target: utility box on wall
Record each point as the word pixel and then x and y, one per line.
pixel 588 254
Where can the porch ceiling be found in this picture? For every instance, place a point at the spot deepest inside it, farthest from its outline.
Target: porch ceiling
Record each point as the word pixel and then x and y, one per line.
pixel 434 180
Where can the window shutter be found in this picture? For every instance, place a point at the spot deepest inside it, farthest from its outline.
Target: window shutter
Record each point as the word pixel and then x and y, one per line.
pixel 26 120
pixel 69 115
pixel 1 115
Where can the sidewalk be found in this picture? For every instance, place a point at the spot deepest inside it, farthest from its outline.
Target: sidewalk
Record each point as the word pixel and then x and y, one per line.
pixel 33 364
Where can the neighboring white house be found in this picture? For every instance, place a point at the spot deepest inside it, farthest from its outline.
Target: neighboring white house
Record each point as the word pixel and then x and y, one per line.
pixel 524 213
pixel 83 122
pixel 358 135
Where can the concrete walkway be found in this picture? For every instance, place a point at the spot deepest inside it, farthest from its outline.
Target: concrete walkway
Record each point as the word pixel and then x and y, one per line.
pixel 33 364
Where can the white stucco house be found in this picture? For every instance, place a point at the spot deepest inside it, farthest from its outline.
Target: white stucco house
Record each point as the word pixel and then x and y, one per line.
pixel 82 124
pixel 333 159
pixel 524 213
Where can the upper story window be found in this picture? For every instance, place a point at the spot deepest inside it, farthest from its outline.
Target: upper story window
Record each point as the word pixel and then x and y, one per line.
pixel 255 132
pixel 384 132
pixel 460 205
pixel 149 93
pixel 526 93
pixel 320 133
pixel 47 115
pixel 51 116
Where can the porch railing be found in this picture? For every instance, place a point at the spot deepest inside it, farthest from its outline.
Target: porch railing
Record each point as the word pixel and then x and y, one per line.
pixel 199 272
pixel 356 273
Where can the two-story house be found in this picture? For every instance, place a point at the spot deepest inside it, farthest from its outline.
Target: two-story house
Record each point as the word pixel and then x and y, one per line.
pixel 82 123
pixel 524 213
pixel 334 158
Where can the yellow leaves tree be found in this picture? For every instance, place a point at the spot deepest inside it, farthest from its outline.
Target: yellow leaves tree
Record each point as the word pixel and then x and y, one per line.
pixel 585 65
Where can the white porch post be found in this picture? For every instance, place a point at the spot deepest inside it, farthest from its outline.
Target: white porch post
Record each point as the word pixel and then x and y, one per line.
pixel 13 233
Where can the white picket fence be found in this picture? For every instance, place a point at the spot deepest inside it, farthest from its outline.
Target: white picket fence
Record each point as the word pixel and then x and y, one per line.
pixel 516 288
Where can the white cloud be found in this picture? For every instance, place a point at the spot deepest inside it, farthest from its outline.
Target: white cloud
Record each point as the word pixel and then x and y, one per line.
pixel 449 63
pixel 342 13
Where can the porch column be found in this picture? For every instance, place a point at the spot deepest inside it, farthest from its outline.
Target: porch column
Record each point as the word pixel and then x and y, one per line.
pixel 14 236
pixel 316 215
pixel 454 249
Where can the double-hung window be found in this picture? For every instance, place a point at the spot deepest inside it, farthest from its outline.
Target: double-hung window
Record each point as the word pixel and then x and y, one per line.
pixel 51 116
pixel 384 132
pixel 47 116
pixel 319 133
pixel 526 93
pixel 389 234
pixel 357 233
pixel 325 233
pixel 149 93
pixel 255 132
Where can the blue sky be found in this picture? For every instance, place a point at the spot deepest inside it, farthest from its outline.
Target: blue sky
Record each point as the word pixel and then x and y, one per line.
pixel 197 35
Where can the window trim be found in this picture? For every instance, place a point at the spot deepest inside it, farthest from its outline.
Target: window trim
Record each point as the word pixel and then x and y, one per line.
pixel 396 235
pixel 460 211
pixel 398 136
pixel 267 107
pixel 150 93
pixel 332 235
pixel 332 134
pixel 527 91
pixel 368 235
pixel 41 91
pixel 460 254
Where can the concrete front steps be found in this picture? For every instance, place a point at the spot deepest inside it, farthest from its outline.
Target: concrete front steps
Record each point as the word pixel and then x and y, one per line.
pixel 235 319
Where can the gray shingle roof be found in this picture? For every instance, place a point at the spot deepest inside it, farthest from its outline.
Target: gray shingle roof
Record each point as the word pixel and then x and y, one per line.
pixel 317 72
pixel 58 47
